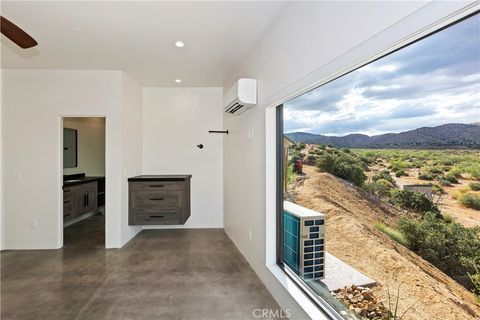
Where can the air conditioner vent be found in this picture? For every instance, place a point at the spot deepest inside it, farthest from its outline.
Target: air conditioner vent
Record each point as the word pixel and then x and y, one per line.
pixel 244 94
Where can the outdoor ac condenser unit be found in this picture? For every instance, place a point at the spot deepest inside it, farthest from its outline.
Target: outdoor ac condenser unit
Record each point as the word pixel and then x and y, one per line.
pixel 304 241
pixel 241 97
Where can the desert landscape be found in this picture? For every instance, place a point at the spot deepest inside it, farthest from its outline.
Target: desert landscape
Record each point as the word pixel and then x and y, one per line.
pixel 372 222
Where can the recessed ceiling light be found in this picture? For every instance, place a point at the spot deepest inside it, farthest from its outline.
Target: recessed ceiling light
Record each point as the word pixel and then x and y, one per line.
pixel 179 44
pixel 178 80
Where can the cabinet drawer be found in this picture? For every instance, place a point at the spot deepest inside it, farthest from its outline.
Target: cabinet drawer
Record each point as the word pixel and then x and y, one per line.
pixel 156 201
pixel 156 185
pixel 157 218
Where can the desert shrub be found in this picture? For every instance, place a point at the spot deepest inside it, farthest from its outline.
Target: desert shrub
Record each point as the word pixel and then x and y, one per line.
pixel 385 175
pixel 298 148
pixel 344 166
pixel 296 156
pixel 401 173
pixel 475 279
pixel 435 170
pixel 444 183
pixel 448 245
pixel 415 201
pixel 447 162
pixel 302 145
pixel 291 175
pixel 470 200
pixel 437 189
pixel 399 165
pixel 346 150
pixel 426 176
pixel 311 159
pixel 380 188
pixel 451 177
pixel 475 186
pixel 322 146
pixel 392 233
pixel 456 172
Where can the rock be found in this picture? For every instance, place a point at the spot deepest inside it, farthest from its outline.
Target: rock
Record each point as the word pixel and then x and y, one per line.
pixel 371 307
pixel 367 295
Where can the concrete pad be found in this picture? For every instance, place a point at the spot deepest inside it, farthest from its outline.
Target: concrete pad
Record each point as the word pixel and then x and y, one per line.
pixel 338 274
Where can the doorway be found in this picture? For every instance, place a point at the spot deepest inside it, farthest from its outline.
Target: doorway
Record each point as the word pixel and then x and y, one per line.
pixel 83 183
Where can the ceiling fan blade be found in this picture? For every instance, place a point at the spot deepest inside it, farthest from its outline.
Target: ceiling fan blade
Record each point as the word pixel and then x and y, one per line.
pixel 17 35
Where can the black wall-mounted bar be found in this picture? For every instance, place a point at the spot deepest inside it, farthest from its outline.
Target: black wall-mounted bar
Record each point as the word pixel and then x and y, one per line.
pixel 218 131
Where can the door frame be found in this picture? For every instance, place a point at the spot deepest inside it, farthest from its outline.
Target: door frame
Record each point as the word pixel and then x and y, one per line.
pixel 60 172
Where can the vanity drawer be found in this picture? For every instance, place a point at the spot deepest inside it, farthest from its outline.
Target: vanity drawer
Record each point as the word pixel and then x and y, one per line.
pixel 68 212
pixel 157 186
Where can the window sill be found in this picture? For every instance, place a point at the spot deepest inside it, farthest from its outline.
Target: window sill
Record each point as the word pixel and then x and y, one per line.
pixel 297 294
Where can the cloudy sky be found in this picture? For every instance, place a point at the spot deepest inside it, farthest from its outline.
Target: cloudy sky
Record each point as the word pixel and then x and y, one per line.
pixel 429 83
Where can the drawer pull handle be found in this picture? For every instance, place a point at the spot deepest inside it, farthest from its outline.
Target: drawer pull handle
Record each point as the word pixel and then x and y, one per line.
pixel 157 199
pixel 157 186
pixel 155 216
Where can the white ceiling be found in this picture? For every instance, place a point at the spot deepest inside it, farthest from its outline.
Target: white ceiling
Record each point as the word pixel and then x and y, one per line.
pixel 138 37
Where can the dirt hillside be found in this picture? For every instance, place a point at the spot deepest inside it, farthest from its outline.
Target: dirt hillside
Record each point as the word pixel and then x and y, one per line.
pixel 352 237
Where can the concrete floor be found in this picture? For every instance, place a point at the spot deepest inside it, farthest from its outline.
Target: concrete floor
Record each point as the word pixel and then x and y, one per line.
pixel 160 274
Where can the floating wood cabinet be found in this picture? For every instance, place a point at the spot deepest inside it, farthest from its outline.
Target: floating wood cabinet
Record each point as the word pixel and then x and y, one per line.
pixel 79 199
pixel 159 199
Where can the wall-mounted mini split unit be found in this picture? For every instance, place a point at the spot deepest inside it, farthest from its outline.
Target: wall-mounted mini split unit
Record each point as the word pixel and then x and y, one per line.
pixel 241 97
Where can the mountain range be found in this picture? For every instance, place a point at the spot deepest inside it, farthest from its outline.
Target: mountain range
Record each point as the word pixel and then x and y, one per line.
pixel 451 135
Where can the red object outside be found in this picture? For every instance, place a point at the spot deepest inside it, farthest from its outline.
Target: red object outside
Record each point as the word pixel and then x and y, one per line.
pixel 298 166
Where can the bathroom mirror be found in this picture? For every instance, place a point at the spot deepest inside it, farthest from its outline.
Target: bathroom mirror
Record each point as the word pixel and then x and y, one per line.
pixel 70 148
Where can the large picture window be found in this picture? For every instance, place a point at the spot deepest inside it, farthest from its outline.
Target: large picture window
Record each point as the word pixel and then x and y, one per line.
pixel 379 183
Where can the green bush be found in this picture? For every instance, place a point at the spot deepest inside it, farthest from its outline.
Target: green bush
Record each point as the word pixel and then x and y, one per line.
pixel 475 186
pixel 437 189
pixel 311 159
pixel 415 201
pixel 451 178
pixel 448 245
pixel 296 156
pixel 392 233
pixel 401 173
pixel 380 188
pixel 344 166
pixel 470 200
pixel 302 145
pixel 475 279
pixel 426 176
pixel 385 175
pixel 445 183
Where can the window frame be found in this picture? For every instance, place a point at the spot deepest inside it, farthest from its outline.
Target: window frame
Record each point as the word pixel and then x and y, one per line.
pixel 323 306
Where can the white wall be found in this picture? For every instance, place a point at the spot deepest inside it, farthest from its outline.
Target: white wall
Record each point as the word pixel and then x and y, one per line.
pixel 175 121
pixel 33 103
pixel 132 123
pixel 304 38
pixel 90 145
